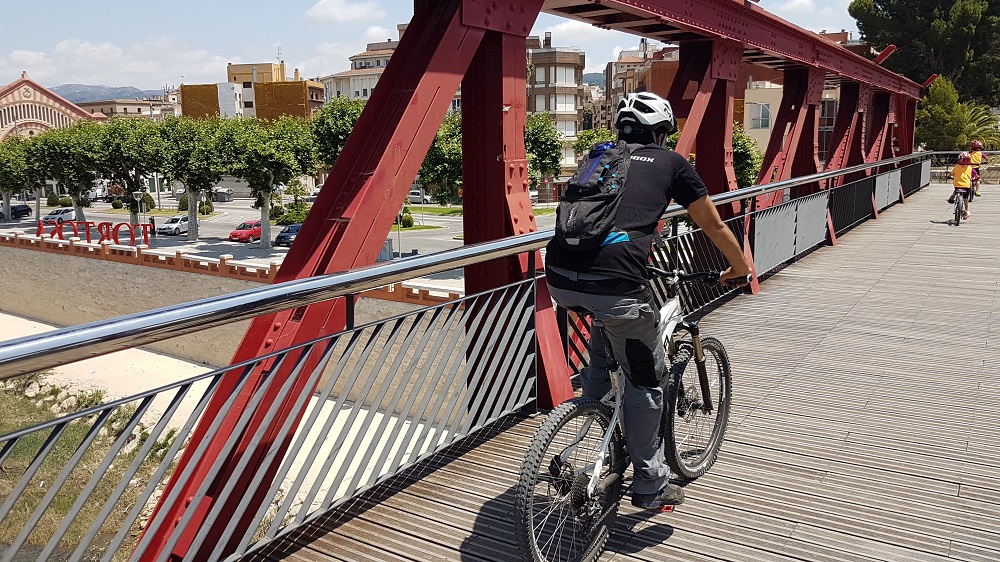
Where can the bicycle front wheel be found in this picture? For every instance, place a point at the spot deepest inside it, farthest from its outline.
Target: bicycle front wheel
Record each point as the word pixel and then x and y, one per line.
pixel 692 435
pixel 555 517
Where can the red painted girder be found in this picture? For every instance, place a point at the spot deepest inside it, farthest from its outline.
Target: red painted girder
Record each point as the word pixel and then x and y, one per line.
pixel 752 26
pixel 802 92
pixel 346 228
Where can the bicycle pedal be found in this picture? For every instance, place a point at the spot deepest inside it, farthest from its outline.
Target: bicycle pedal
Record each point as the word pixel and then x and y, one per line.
pixel 666 509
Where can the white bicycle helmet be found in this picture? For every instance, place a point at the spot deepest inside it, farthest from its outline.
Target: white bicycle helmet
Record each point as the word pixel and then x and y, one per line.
pixel 647 111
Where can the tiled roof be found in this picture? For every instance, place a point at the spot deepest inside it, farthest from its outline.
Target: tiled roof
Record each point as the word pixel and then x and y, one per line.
pixel 359 71
pixel 374 53
pixel 629 59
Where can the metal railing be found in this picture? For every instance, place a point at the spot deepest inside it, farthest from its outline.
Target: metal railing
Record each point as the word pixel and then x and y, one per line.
pixel 389 393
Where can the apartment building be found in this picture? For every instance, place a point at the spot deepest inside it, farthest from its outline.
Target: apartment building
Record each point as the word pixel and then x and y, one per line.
pixel 556 87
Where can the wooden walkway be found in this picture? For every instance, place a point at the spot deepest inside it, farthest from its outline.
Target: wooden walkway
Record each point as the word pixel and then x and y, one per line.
pixel 865 423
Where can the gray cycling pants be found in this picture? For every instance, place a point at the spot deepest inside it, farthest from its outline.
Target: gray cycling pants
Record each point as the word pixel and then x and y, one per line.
pixel 630 324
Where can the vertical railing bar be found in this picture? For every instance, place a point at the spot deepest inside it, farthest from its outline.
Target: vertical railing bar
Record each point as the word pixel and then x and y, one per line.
pixel 133 469
pixel 345 356
pixel 433 376
pixel 46 501
pixel 490 318
pixel 328 464
pixel 29 473
pixel 290 456
pixel 91 485
pixel 390 438
pixel 234 437
pixel 298 407
pixel 349 310
pixel 161 470
pixel 255 443
pixel 359 436
pixel 158 519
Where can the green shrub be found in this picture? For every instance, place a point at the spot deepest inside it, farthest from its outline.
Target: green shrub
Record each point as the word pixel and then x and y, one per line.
pixel 149 202
pixel 206 208
pixel 293 216
pixel 407 220
pixel 182 205
pixel 117 204
pixel 52 200
pixel 65 202
pixel 276 212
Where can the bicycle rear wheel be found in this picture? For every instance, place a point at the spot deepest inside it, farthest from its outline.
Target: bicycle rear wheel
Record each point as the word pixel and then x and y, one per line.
pixel 692 436
pixel 959 208
pixel 554 517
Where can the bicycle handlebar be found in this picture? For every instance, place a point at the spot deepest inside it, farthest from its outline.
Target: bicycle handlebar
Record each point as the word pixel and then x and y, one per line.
pixel 702 276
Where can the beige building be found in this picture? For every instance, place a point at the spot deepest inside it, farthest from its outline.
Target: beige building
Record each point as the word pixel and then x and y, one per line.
pixel 556 87
pixel 253 90
pixel 366 70
pixel 154 108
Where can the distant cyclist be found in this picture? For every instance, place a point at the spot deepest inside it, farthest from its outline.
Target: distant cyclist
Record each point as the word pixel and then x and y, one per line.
pixel 977 158
pixel 611 282
pixel 963 174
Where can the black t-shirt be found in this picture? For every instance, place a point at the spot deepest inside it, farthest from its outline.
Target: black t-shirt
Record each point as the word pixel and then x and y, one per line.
pixel 655 176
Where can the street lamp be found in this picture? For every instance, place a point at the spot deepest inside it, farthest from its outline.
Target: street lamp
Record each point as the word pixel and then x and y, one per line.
pixel 137 195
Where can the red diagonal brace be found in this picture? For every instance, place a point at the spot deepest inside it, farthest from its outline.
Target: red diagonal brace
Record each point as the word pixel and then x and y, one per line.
pixel 346 229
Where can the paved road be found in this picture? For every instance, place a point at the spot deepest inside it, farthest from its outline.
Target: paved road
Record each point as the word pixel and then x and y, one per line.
pixel 215 232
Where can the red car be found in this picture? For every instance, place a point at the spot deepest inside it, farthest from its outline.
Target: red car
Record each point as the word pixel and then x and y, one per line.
pixel 246 232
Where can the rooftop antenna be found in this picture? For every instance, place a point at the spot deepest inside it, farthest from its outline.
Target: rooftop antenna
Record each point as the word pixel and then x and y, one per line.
pixel 279 52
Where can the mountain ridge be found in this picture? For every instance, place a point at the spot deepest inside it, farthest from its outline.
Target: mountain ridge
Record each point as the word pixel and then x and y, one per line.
pixel 78 93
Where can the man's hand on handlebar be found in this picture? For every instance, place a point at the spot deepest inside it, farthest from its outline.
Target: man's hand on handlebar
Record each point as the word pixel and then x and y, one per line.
pixel 736 277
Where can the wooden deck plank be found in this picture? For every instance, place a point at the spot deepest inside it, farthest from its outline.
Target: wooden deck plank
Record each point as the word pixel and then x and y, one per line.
pixel 863 426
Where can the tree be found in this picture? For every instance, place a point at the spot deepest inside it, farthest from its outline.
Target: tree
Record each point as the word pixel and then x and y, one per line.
pixel 192 157
pixel 442 167
pixel 543 142
pixel 588 138
pixel 588 118
pixel 981 125
pixel 14 174
pixel 131 150
pixel 70 155
pixel 333 125
pixel 747 157
pixel 267 154
pixel 941 120
pixel 953 38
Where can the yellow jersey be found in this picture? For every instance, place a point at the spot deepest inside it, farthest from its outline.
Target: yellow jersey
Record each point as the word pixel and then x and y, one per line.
pixel 977 158
pixel 963 176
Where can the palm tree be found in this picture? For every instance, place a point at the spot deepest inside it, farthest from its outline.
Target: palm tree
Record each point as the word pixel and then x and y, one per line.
pixel 981 125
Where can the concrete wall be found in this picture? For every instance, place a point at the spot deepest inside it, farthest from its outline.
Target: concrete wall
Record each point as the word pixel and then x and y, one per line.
pixel 68 290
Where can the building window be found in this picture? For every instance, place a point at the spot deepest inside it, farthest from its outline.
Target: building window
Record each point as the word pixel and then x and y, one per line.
pixel 565 102
pixel 357 94
pixel 540 75
pixel 364 92
pixel 564 76
pixel 250 84
pixel 248 104
pixel 567 128
pixel 378 63
pixel 338 93
pixel 539 102
pixel 760 115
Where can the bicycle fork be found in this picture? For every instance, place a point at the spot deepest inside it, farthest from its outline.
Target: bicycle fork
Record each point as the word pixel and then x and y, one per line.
pixel 699 362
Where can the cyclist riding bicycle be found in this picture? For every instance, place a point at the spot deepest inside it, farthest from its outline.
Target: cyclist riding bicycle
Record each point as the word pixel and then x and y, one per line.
pixel 611 282
pixel 977 158
pixel 963 174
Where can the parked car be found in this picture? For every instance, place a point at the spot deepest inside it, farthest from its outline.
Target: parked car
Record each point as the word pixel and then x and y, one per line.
pixel 248 231
pixel 59 216
pixel 287 235
pixel 417 196
pixel 177 224
pixel 533 194
pixel 16 211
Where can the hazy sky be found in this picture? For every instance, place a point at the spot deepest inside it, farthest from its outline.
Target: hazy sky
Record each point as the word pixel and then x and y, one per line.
pixel 149 45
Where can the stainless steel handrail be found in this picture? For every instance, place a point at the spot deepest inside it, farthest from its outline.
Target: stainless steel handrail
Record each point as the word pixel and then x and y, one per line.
pixel 58 347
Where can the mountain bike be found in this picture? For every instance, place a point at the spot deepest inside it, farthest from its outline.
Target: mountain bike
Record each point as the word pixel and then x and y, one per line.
pixel 572 478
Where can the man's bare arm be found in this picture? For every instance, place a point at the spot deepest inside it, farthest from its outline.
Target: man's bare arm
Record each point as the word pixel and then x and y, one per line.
pixel 705 216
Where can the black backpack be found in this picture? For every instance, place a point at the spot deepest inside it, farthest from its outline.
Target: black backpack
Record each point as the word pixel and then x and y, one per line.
pixel 585 216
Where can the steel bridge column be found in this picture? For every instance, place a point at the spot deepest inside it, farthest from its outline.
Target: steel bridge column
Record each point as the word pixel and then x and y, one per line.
pixel 797 152
pixel 495 176
pixel 345 229
pixel 708 117
pixel 846 140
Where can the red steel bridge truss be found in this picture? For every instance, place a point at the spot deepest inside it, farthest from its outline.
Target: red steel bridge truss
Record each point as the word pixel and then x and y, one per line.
pixel 480 46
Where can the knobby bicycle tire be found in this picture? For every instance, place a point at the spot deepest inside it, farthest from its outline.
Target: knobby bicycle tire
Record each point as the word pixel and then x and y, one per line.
pixel 692 437
pixel 553 518
pixel 959 208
